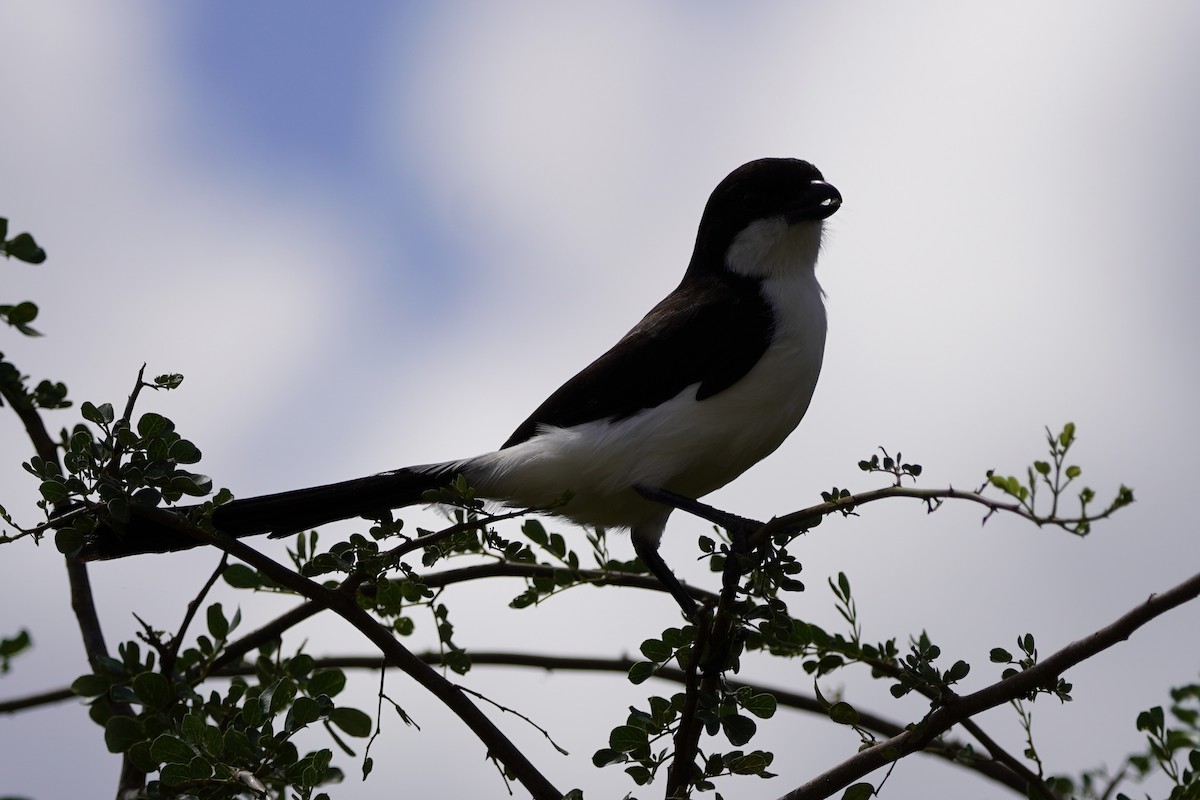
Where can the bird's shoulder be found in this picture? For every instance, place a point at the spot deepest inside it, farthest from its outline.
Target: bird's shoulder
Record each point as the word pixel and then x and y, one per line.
pixel 710 331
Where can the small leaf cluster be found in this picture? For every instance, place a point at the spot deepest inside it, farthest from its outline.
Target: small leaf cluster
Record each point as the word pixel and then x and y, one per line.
pixel 1058 687
pixel 726 711
pixel 1055 476
pixel 1173 749
pixel 634 743
pixel 565 573
pixel 223 745
pixel 824 652
pixel 122 468
pixel 12 646
pixel 390 599
pixel 23 248
pixel 1174 744
pixel 843 497
pixel 564 564
pixel 892 466
pixel 47 394
pixel 471 533
pixel 918 671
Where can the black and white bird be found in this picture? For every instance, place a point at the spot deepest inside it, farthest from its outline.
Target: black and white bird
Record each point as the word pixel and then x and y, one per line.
pixel 709 383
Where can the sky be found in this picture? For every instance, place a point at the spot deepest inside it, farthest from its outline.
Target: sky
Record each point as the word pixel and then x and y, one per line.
pixel 378 235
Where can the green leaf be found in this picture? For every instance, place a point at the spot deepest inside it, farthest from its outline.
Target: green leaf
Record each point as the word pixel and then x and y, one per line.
pixel 327 682
pixel 217 624
pixel 23 247
pixel 738 729
pixel 191 483
pixel 147 497
pixel 303 712
pixel 1068 435
pixel 240 576
pixel 69 540
pixel 300 665
pixel 277 696
pixel 640 672
pixel 958 671
pixel 54 491
pixel 605 757
pixel 198 769
pixel 1000 656
pixel 20 314
pixel 168 749
pixel 640 775
pixel 535 532
pixel 655 650
pixel 91 685
pixel 843 714
pixel 761 705
pixel 751 763
pixel 121 733
pixel 101 414
pixel 859 791
pixel 184 452
pixel 152 689
pixel 352 721
pixel 627 737
pixel 152 425
pixel 12 646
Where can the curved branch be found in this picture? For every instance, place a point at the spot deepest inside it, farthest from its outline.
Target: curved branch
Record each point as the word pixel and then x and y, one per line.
pixel 343 603
pixel 36 700
pixel 1019 685
pixel 789 699
pixel 595 577
pixel 808 516
pixel 438 580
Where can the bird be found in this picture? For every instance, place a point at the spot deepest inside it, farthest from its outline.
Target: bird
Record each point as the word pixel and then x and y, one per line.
pixel 711 381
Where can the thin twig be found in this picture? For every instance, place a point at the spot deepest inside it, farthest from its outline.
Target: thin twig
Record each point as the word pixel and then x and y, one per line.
pixel 172 651
pixel 118 448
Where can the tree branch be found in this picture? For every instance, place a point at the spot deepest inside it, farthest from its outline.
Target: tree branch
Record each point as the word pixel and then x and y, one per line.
pixel 1019 685
pixel 343 603
pixel 807 516
pixel 83 602
pixel 801 702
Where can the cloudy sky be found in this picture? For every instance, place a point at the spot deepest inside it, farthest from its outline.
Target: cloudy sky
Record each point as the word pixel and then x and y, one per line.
pixel 379 235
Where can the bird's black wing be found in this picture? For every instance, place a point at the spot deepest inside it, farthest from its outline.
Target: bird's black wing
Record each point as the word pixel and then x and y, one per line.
pixel 710 331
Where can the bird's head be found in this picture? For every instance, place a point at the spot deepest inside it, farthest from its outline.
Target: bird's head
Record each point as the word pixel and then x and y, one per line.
pixel 765 219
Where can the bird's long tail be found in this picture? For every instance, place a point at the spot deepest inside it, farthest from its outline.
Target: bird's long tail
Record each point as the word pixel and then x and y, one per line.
pixel 303 509
pixel 280 514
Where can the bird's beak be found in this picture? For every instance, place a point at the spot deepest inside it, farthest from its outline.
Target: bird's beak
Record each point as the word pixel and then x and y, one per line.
pixel 816 201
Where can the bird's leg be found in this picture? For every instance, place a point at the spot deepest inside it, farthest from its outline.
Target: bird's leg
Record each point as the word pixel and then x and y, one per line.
pixel 647 551
pixel 730 522
pixel 739 528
